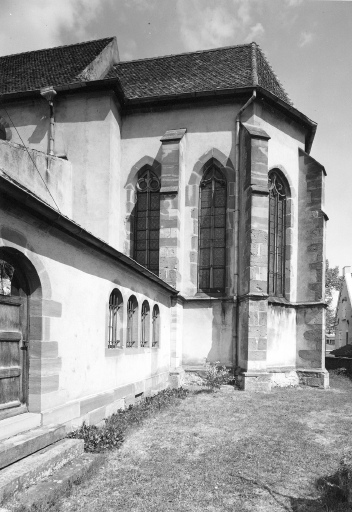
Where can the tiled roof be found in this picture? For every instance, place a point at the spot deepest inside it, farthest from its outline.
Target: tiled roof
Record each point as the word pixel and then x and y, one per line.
pixel 233 67
pixel 218 69
pixel 53 66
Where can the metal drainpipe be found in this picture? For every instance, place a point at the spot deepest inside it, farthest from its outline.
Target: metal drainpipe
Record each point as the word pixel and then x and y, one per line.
pixel 49 94
pixel 236 214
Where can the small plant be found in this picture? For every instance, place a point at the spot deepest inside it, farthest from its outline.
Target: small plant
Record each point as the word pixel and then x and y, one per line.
pixel 340 371
pixel 111 435
pixel 216 376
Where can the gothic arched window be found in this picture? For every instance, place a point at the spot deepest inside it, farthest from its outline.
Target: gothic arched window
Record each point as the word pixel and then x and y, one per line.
pixel 147 221
pixel 277 228
pixel 212 231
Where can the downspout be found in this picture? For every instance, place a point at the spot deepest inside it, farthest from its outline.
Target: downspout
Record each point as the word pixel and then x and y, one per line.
pixel 237 217
pixel 49 94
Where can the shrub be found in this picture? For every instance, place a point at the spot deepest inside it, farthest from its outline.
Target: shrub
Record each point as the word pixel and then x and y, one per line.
pixel 215 376
pixel 111 435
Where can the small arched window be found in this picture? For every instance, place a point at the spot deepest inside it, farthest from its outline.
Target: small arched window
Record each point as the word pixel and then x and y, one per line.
pixel 212 231
pixel 277 228
pixel 132 322
pixel 115 319
pixel 147 221
pixel 145 324
pixel 156 326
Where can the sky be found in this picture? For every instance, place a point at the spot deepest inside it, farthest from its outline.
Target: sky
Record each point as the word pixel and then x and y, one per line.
pixel 308 44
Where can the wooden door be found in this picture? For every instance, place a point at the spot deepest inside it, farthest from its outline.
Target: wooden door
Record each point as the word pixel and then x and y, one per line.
pixel 13 348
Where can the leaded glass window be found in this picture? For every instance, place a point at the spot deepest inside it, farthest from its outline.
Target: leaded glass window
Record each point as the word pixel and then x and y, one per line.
pixel 212 232
pixel 147 221
pixel 277 217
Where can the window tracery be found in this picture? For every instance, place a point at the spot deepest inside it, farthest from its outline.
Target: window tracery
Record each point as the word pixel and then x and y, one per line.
pixel 277 228
pixel 212 231
pixel 147 221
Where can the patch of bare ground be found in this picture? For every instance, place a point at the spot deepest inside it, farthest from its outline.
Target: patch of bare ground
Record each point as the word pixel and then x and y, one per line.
pixel 229 452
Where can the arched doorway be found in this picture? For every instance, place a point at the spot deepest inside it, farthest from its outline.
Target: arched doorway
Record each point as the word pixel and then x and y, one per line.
pixel 15 291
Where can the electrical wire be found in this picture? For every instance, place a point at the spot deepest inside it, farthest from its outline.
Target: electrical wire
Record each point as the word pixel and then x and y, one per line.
pixel 30 156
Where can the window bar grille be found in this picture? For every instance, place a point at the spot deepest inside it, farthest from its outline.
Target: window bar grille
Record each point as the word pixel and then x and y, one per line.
pixel 155 341
pixel 144 326
pixel 131 310
pixel 114 308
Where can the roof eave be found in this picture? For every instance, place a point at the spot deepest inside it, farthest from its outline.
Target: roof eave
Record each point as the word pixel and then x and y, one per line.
pixel 105 83
pixel 114 83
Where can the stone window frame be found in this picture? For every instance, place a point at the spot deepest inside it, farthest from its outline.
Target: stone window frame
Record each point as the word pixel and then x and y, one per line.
pixel 115 320
pixel 288 234
pixel 135 173
pixel 212 157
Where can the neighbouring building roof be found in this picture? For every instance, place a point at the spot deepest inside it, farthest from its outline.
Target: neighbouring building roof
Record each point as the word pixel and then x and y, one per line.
pixel 232 67
pixel 51 67
pixel 222 68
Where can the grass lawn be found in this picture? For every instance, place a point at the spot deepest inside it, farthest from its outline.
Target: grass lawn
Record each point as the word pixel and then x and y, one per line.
pixel 228 451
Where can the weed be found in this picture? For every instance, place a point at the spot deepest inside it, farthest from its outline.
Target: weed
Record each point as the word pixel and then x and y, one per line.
pixel 216 376
pixel 111 435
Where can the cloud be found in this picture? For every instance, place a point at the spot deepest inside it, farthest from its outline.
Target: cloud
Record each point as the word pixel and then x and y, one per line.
pixel 128 49
pixel 141 5
pixel 305 38
pixel 206 24
pixel 205 27
pixel 294 3
pixel 39 24
pixel 255 33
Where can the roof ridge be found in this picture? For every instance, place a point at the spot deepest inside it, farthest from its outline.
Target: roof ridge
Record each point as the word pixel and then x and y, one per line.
pixel 184 53
pixel 254 64
pixel 275 75
pixel 57 47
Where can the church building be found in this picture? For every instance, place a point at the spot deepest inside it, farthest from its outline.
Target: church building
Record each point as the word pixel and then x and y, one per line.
pixel 154 214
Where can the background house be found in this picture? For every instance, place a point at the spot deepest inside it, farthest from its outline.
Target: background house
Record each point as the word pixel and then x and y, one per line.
pixel 154 214
pixel 343 329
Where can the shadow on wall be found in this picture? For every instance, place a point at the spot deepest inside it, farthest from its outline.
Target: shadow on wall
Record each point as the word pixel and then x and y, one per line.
pixel 40 131
pixel 208 332
pixel 196 118
pixel 67 251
